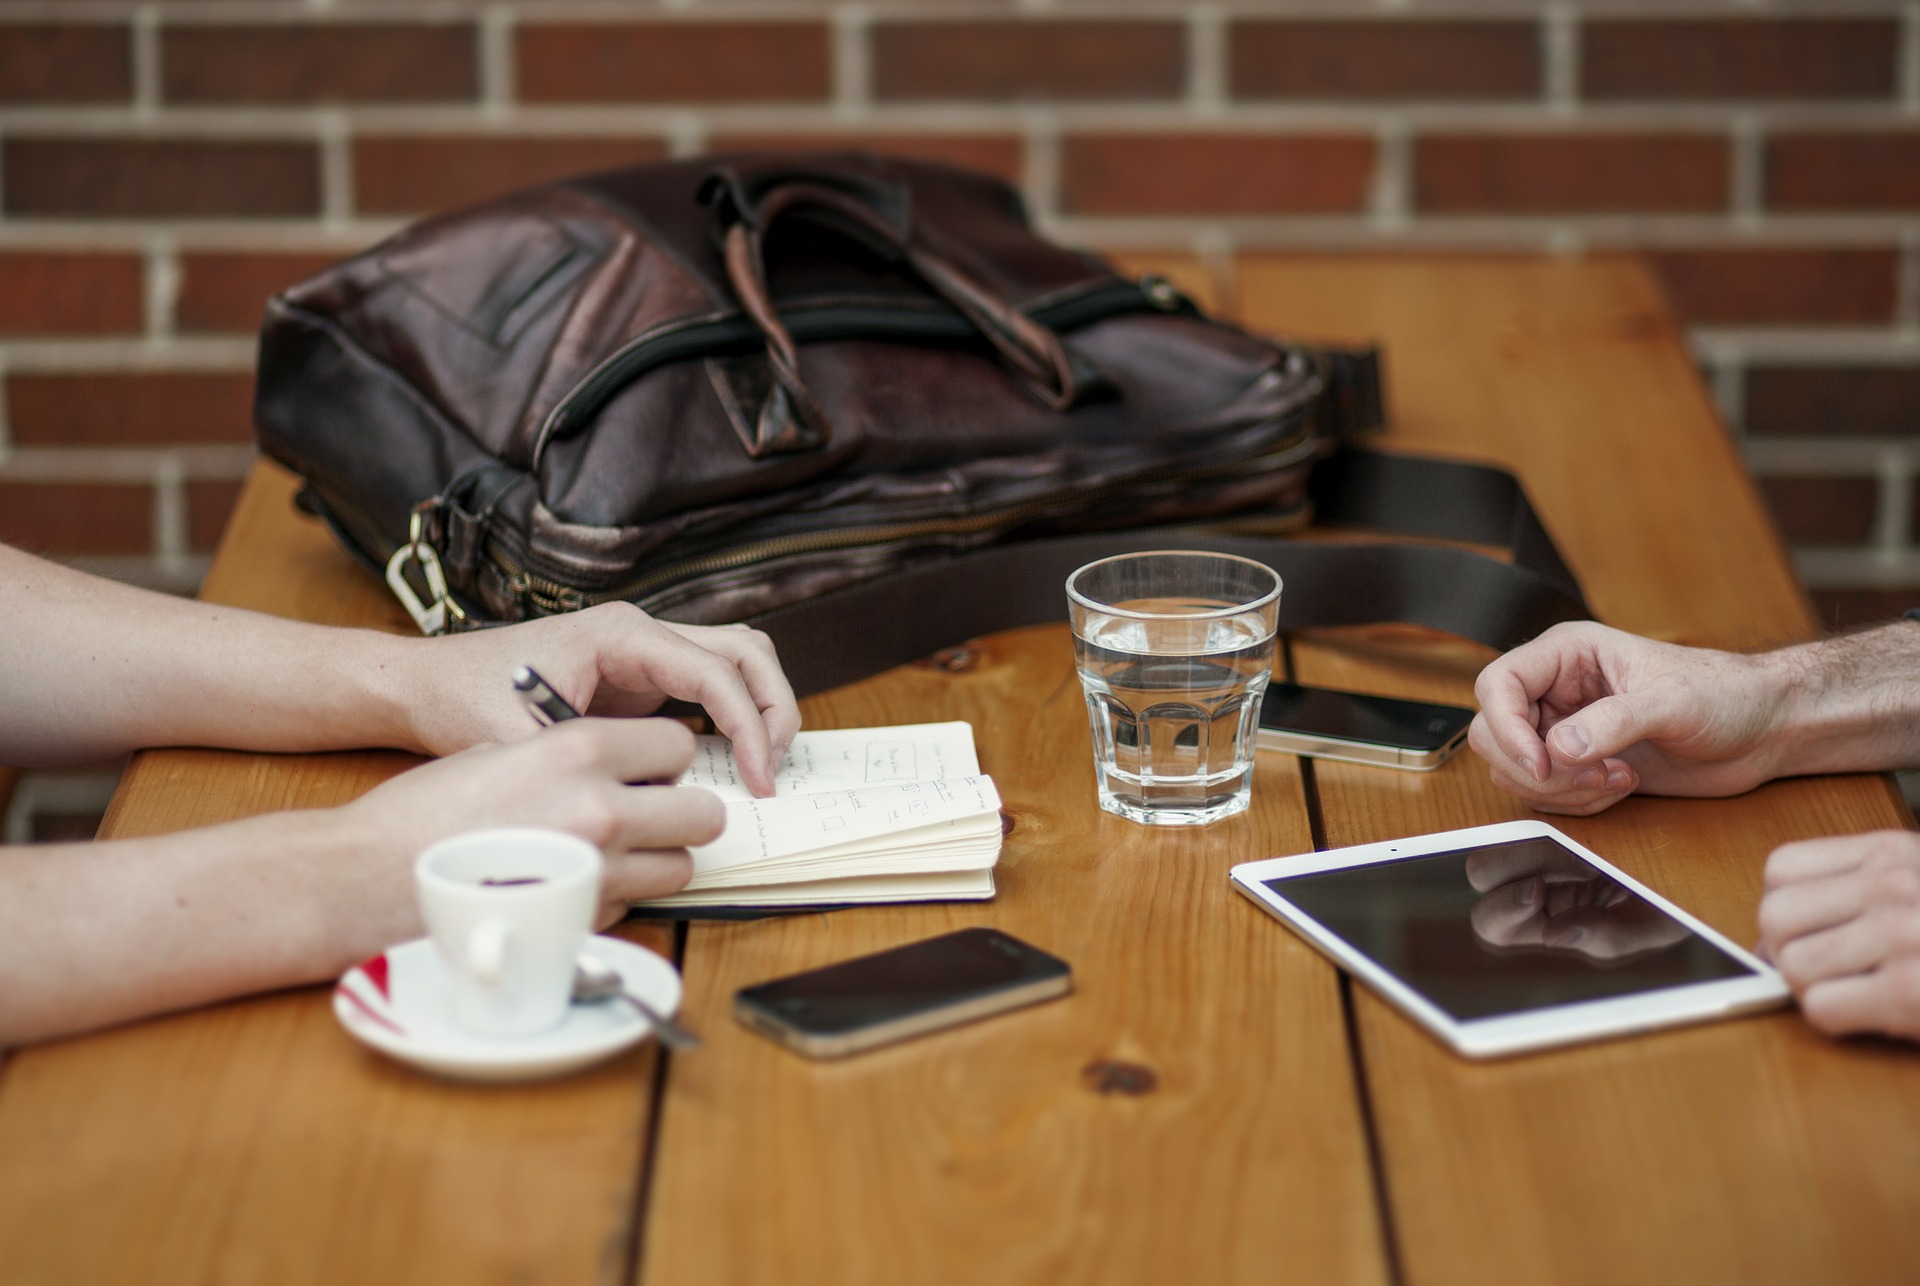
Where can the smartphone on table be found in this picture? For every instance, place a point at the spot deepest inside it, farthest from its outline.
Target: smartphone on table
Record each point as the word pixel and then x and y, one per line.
pixel 1361 728
pixel 908 991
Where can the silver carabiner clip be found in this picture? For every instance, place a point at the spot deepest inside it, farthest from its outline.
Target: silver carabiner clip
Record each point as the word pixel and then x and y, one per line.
pixel 430 617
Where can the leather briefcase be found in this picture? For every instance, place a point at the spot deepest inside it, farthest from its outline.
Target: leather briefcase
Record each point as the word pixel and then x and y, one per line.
pixel 748 387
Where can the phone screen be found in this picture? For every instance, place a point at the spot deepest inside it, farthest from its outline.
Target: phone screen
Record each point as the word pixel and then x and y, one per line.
pixel 1356 716
pixel 916 978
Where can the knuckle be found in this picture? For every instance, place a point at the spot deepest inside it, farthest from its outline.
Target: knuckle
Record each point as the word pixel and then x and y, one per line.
pixel 1794 962
pixel 1773 910
pixel 1823 1013
pixel 596 821
pixel 575 746
pixel 1896 885
pixel 1891 849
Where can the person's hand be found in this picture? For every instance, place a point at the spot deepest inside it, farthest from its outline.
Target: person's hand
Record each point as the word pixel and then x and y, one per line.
pixel 1841 921
pixel 574 777
pixel 607 660
pixel 1585 715
pixel 1542 896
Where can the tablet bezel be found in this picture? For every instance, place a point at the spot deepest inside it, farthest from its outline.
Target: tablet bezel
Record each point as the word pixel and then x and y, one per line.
pixel 1534 1028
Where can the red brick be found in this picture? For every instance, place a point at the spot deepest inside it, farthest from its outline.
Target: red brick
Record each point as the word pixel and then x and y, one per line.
pixel 1834 401
pixel 209 505
pixel 1215 173
pixel 129 410
pixel 995 154
pixel 60 293
pixel 1844 171
pixel 1570 173
pixel 1846 609
pixel 998 60
pixel 91 63
pixel 229 292
pixel 129 178
pixel 77 517
pixel 1783 286
pixel 320 62
pixel 674 62
pixel 1822 511
pixel 1384 60
pixel 1740 58
pixel 415 175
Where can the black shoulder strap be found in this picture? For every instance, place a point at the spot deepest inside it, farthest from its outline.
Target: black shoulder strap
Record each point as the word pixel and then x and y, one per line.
pixel 866 628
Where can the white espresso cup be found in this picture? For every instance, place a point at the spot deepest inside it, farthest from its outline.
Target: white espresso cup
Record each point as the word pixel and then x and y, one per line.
pixel 509 910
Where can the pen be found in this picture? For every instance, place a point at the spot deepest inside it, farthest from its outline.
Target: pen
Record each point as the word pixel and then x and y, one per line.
pixel 545 705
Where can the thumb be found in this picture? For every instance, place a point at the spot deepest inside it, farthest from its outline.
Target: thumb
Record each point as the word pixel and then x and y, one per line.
pixel 1605 728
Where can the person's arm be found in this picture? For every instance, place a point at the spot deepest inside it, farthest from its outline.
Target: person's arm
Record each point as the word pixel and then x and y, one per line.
pixel 90 669
pixel 1841 921
pixel 1585 715
pixel 96 934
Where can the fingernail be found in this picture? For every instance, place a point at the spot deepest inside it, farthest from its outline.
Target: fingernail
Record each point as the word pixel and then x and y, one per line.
pixel 1572 742
pixel 1526 893
pixel 1571 938
pixel 1617 779
pixel 1591 779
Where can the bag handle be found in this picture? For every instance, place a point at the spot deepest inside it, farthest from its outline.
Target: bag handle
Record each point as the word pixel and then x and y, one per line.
pixel 747 204
pixel 916 612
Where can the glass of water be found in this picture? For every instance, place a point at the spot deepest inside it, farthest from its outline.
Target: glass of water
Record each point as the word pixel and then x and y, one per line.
pixel 1174 650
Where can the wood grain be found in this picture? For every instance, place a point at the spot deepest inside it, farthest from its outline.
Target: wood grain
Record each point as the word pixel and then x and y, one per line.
pixel 995 1153
pixel 254 1141
pixel 1742 1151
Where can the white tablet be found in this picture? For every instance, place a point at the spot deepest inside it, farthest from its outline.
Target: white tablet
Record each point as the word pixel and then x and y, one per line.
pixel 1510 937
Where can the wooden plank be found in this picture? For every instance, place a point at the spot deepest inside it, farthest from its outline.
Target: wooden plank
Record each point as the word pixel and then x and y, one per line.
pixel 992 1153
pixel 1004 1152
pixel 255 1141
pixel 1751 1150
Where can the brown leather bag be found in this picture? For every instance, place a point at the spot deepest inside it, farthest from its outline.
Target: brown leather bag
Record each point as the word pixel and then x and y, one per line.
pixel 724 388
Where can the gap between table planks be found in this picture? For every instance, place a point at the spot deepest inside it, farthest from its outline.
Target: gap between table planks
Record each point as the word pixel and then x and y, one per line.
pixel 1753 1150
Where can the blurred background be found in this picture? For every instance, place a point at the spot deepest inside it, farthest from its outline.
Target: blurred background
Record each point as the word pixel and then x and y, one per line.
pixel 165 166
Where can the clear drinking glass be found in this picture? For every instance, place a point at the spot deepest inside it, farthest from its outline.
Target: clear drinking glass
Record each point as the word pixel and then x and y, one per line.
pixel 1174 650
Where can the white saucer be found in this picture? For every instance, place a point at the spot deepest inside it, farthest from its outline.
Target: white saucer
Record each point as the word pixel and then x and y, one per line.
pixel 397 1003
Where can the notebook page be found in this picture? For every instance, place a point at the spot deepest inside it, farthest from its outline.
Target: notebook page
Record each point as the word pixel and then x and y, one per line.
pixel 844 759
pixel 785 826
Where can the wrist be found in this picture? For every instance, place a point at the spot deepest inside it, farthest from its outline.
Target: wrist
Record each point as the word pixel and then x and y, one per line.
pixel 1850 704
pixel 390 684
pixel 357 885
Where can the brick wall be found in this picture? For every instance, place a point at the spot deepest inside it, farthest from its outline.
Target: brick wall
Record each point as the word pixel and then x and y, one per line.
pixel 164 166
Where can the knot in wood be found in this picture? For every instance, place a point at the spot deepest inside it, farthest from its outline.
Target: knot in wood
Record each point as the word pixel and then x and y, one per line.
pixel 1110 1076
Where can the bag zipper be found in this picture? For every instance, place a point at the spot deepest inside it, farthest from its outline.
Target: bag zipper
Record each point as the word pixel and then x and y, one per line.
pixel 701 339
pixel 552 597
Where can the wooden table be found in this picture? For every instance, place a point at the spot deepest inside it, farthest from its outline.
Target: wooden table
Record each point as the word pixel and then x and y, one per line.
pixel 1214 1104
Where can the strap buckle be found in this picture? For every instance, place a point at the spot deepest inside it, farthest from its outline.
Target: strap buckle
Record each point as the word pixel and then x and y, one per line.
pixel 431 617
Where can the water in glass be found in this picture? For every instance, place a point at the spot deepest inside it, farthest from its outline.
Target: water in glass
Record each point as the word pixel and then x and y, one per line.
pixel 1175 707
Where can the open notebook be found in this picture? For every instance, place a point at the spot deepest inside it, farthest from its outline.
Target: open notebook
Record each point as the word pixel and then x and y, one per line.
pixel 896 814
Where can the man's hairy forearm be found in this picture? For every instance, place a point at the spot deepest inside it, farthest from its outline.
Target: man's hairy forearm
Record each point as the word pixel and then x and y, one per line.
pixel 91 669
pixel 1852 703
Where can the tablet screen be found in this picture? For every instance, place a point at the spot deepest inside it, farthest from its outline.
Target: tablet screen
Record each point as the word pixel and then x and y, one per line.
pixel 1505 928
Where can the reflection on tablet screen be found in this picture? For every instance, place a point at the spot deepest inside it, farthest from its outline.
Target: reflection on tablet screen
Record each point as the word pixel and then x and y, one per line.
pixel 1506 928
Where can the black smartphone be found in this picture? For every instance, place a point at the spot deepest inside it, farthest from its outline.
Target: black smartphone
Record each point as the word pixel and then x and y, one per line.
pixel 1361 728
pixel 908 991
